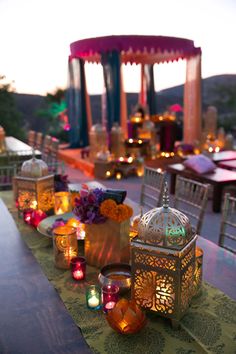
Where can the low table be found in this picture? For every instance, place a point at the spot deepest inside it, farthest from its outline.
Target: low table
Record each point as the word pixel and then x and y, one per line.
pixel 218 179
pixel 229 165
pixel 224 156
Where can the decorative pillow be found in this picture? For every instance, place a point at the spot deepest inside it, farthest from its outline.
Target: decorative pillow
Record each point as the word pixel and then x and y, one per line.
pixel 200 164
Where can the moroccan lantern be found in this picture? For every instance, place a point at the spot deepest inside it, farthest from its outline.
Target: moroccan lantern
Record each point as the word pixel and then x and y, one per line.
pixel 34 187
pixel 98 140
pixel 163 262
pixel 117 141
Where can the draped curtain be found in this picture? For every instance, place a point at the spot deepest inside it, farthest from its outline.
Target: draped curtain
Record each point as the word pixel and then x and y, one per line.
pixel 78 105
pixel 147 91
pixel 111 72
pixel 192 100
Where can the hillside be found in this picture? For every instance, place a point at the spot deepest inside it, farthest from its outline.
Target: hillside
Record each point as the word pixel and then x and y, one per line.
pixel 28 105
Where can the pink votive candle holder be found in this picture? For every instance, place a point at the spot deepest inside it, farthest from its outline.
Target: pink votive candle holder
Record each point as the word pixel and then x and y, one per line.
pixel 78 268
pixel 110 296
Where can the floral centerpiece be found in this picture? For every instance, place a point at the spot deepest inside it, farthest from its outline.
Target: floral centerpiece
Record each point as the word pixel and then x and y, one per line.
pixel 106 226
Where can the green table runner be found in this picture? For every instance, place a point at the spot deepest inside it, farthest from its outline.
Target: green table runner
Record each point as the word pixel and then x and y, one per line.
pixel 208 327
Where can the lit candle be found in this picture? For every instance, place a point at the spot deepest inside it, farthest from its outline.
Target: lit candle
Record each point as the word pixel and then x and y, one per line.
pixel 78 268
pixel 37 216
pixel 109 297
pixel 65 245
pixel 27 215
pixel 62 203
pixel 93 297
pixel 110 305
pixel 93 301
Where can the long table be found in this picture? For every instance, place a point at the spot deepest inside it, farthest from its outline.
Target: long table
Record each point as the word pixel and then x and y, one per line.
pixel 16 151
pixel 34 318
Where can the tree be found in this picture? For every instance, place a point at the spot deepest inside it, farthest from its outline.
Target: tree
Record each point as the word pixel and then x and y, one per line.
pixel 10 119
pixel 225 101
pixel 55 112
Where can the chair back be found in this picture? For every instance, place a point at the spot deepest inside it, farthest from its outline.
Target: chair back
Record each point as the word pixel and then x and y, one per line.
pixel 191 198
pixel 56 167
pixel 46 147
pixel 31 138
pixel 54 149
pixel 39 141
pixel 6 175
pixel 152 188
pixel 227 237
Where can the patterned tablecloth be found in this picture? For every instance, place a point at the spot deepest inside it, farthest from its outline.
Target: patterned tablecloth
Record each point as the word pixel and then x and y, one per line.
pixel 208 327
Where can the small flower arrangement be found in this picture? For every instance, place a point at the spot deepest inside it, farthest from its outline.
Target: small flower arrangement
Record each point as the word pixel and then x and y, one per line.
pixel 94 207
pixel 114 211
pixel 87 206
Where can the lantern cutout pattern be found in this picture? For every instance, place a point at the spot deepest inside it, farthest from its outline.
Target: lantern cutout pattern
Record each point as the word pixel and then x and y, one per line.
pixel 65 246
pixel 34 187
pixel 163 262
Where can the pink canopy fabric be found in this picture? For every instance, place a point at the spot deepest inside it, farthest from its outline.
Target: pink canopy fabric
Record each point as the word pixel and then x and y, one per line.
pixel 135 49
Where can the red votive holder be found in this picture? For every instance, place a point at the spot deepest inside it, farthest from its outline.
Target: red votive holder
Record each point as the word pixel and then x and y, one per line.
pixel 27 216
pixel 37 216
pixel 78 268
pixel 109 297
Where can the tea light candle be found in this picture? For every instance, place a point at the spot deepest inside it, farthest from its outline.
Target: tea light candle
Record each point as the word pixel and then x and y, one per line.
pixel 37 216
pixel 65 246
pixel 78 268
pixel 27 215
pixel 62 203
pixel 109 297
pixel 93 297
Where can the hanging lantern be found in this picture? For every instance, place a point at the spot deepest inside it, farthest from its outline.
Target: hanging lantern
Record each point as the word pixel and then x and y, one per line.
pixel 163 262
pixel 34 187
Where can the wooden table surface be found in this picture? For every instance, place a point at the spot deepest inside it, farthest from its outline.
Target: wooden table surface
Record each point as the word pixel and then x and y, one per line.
pixel 224 156
pixel 230 165
pixel 33 319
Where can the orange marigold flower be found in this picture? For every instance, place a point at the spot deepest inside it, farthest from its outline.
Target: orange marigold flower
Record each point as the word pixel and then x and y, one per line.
pixel 107 207
pixel 129 211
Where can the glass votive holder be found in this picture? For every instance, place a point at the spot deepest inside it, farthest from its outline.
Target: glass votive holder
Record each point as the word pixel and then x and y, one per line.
pixel 93 297
pixel 62 203
pixel 27 216
pixel 65 246
pixel 110 296
pixel 198 270
pixel 78 268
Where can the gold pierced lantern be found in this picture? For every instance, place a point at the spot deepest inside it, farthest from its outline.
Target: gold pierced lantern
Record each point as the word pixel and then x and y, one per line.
pixel 163 262
pixel 34 187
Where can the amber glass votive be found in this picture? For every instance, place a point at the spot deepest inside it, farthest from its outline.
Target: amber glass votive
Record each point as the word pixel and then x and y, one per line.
pixel 93 297
pixel 62 203
pixel 78 268
pixel 65 246
pixel 109 297
pixel 198 270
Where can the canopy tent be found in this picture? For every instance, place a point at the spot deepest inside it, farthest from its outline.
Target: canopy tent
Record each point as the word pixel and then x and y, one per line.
pixel 111 52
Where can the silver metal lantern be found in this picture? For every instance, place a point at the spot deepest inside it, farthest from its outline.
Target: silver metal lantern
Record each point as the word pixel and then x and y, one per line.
pixel 163 262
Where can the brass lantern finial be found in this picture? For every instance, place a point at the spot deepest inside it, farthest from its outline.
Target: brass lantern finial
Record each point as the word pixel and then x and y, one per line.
pixel 166 196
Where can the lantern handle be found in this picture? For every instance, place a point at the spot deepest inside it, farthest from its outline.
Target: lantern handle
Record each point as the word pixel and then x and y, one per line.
pixel 165 196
